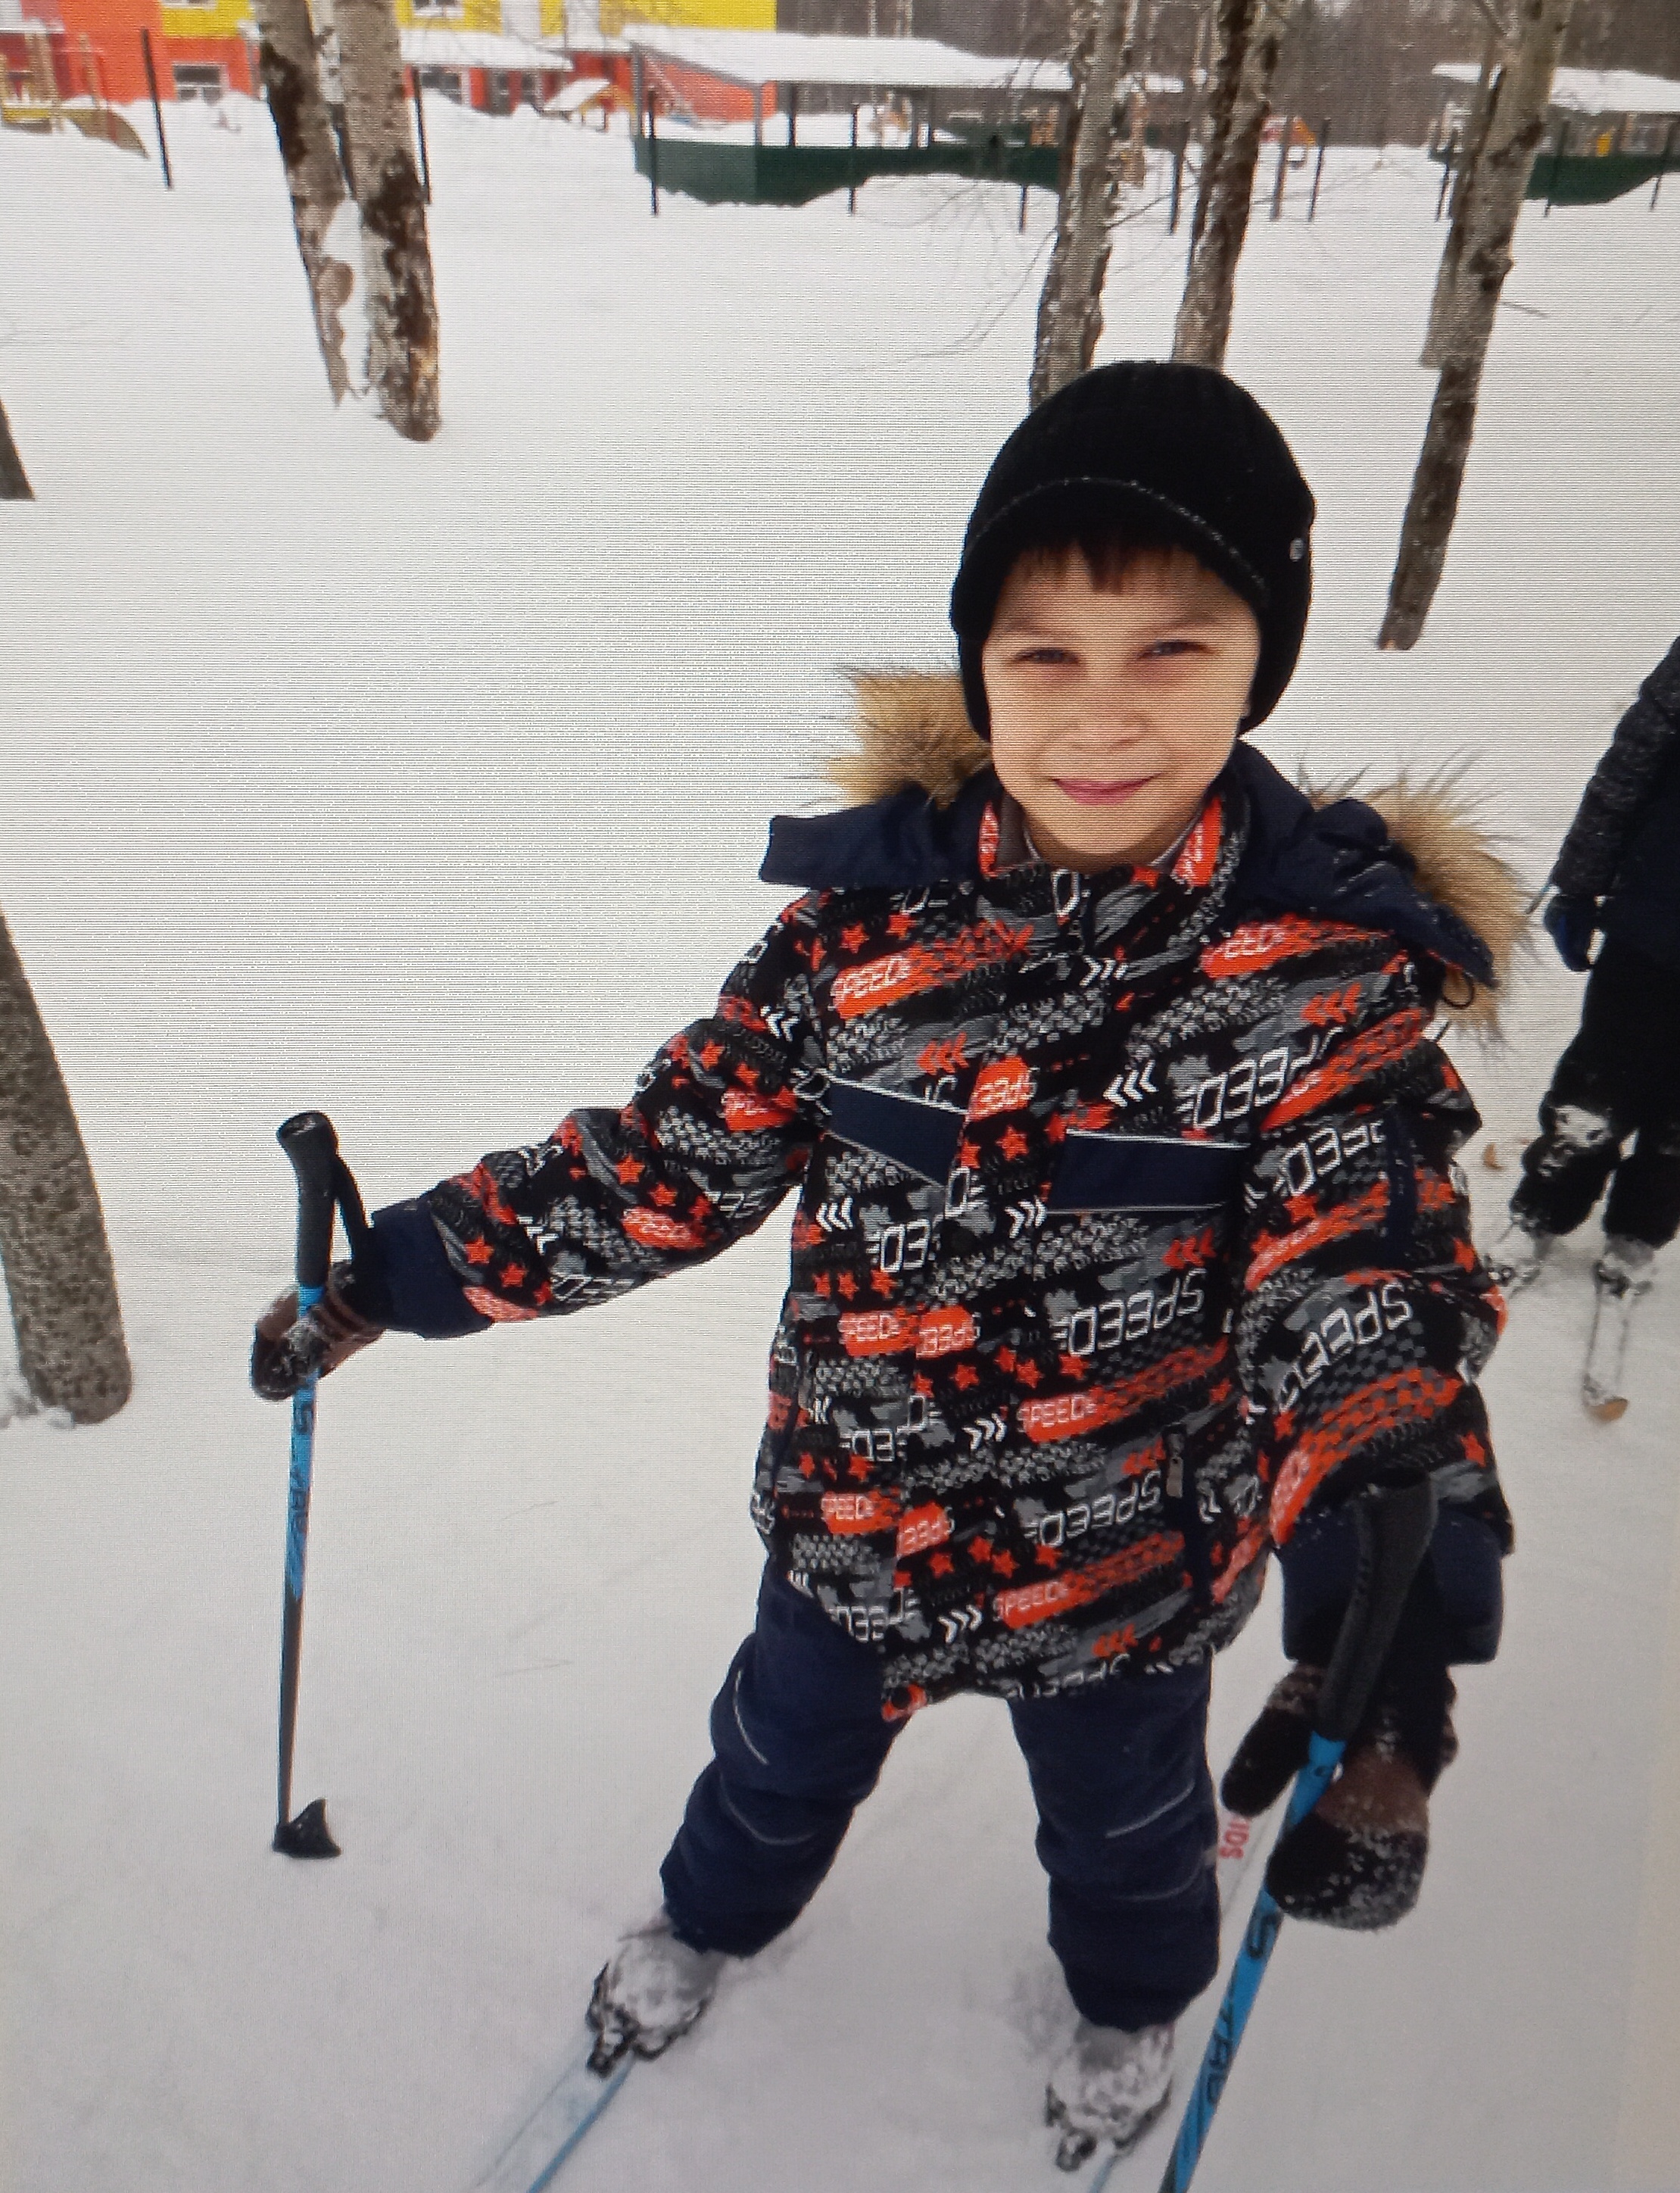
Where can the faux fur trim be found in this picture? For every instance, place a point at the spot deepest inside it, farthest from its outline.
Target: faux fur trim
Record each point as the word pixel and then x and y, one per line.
pixel 911 729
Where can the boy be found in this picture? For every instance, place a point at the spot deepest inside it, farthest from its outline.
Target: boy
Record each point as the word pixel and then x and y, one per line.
pixel 1128 1243
pixel 1617 873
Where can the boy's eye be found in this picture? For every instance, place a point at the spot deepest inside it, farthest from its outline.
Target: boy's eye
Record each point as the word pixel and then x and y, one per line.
pixel 1169 647
pixel 1045 655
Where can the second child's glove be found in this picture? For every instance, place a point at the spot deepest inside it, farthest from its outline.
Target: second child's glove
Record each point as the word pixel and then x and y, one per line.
pixel 1572 923
pixel 1356 1860
pixel 288 1348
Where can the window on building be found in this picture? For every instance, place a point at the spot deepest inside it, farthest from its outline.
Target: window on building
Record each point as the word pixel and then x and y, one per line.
pixel 446 83
pixel 199 80
pixel 432 8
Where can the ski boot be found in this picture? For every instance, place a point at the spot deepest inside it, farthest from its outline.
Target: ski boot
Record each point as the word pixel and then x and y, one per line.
pixel 1623 1266
pixel 649 1992
pixel 1514 1260
pixel 1111 2085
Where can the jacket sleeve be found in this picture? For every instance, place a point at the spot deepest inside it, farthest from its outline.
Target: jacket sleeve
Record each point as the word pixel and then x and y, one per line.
pixel 1364 1316
pixel 719 1127
pixel 1592 852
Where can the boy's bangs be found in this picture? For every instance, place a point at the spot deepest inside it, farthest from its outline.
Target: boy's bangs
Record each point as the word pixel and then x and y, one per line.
pixel 1112 556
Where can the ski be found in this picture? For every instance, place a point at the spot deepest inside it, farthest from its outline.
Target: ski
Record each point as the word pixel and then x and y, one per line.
pixel 534 2155
pixel 538 2150
pixel 1603 1387
pixel 1240 1840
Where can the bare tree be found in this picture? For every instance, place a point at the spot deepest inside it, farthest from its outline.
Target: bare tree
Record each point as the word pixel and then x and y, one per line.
pixel 309 153
pixel 14 479
pixel 1515 127
pixel 397 263
pixel 53 1247
pixel 1472 147
pixel 1248 40
pixel 1070 306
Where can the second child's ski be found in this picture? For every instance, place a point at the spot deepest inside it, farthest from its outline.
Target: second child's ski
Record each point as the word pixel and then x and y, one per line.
pixel 1603 1383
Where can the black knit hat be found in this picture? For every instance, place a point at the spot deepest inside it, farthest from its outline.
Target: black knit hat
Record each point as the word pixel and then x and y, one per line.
pixel 1174 454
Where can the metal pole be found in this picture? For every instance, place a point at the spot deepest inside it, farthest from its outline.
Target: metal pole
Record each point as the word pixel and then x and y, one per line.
pixel 1283 167
pixel 1448 165
pixel 1021 218
pixel 792 114
pixel 852 191
pixel 420 133
pixel 1179 153
pixel 156 109
pixel 1551 180
pixel 1668 155
pixel 653 159
pixel 1318 172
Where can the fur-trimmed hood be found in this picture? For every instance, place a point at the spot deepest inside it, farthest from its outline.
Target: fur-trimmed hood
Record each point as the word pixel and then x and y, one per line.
pixel 1407 855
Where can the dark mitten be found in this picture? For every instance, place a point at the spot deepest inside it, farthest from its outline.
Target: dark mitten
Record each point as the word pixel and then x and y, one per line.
pixel 1357 1858
pixel 1274 1751
pixel 286 1347
pixel 1572 924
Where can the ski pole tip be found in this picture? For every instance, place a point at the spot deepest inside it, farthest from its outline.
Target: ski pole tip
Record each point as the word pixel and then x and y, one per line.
pixel 308 1836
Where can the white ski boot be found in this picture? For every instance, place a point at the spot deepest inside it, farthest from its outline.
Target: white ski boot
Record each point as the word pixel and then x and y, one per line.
pixel 649 1992
pixel 1625 1264
pixel 1514 1260
pixel 1111 2085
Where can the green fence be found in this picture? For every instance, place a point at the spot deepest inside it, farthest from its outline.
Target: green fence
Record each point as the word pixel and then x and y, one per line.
pixel 1592 179
pixel 1586 179
pixel 794 175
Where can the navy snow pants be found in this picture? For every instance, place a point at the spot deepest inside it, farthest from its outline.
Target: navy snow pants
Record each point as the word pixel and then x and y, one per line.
pixel 1119 1773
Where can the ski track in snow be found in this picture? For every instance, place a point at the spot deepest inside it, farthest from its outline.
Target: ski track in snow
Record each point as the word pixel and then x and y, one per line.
pixel 428 785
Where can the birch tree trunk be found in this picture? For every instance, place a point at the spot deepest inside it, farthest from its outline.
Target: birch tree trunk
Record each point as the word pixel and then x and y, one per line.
pixel 292 82
pixel 1471 152
pixel 1516 125
pixel 1070 306
pixel 53 1247
pixel 396 264
pixel 1249 38
pixel 14 479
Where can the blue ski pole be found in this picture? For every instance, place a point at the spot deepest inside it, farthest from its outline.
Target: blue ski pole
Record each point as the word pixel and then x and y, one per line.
pixel 1395 1522
pixel 309 1141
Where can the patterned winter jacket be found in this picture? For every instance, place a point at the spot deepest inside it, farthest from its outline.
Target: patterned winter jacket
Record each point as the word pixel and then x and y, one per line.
pixel 1624 844
pixel 1128 1235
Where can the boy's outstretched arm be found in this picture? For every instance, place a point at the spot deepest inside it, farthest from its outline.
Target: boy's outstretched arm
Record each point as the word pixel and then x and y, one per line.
pixel 717 1129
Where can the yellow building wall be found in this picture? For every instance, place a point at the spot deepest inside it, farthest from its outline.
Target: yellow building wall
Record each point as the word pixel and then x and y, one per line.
pixel 465 15
pixel 224 20
pixel 708 14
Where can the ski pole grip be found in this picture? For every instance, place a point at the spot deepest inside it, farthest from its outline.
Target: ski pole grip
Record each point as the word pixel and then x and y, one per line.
pixel 1395 1523
pixel 309 1141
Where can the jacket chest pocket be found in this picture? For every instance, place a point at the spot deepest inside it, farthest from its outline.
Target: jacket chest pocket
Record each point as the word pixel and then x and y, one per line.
pixel 1156 1176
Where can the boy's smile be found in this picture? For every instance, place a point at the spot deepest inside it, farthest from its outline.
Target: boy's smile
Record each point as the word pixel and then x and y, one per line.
pixel 1114 707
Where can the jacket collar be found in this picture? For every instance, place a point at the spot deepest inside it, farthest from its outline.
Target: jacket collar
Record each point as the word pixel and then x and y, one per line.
pixel 1337 862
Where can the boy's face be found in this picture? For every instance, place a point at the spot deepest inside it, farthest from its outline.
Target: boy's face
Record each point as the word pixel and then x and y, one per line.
pixel 1114 708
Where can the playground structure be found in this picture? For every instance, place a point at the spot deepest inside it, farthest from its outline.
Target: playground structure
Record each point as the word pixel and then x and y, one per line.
pixel 1608 131
pixel 62 90
pixel 962 114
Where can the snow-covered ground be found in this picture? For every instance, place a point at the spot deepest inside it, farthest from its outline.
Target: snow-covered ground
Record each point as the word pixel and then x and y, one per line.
pixel 429 785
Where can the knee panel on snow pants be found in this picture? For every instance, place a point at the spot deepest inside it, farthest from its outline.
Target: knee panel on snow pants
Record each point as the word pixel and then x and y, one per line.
pixel 797 1741
pixel 1127 1832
